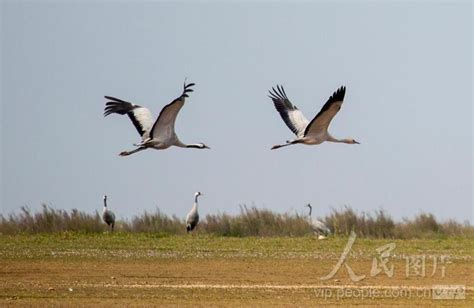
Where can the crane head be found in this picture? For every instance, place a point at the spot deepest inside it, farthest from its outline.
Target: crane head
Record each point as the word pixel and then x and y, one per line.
pixel 197 194
pixel 353 141
pixel 309 205
pixel 105 197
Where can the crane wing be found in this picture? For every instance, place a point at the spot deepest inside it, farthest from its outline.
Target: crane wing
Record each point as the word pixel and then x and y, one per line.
pixel 319 226
pixel 164 125
pixel 192 217
pixel 108 217
pixel 291 115
pixel 140 116
pixel 321 121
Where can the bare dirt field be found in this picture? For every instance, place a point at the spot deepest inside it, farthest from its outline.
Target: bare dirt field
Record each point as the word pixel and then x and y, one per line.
pixel 142 269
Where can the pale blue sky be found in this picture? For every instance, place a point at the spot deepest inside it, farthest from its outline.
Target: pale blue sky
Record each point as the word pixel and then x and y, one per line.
pixel 407 67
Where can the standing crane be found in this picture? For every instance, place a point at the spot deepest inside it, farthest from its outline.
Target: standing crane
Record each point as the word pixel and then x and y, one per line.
pixel 319 228
pixel 309 133
pixel 192 218
pixel 159 135
pixel 108 216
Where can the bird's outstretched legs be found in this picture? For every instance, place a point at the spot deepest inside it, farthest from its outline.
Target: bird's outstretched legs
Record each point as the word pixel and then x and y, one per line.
pixel 277 146
pixel 288 142
pixel 126 153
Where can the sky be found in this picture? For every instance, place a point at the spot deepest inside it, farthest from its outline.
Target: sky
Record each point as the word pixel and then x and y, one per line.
pixel 407 67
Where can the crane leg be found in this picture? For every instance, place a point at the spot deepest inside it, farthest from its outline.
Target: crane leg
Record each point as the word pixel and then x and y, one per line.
pixel 277 146
pixel 126 153
pixel 288 142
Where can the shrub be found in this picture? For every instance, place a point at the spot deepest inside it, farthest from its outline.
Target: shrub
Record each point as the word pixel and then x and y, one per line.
pixel 157 222
pixel 251 221
pixel 50 220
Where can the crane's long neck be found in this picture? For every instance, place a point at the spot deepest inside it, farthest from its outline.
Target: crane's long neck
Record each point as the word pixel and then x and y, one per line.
pixel 332 139
pixel 179 144
pixel 195 206
pixel 105 205
pixel 310 210
pixel 192 145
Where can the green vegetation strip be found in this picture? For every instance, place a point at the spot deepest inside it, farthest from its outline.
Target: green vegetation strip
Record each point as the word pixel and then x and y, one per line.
pixel 148 245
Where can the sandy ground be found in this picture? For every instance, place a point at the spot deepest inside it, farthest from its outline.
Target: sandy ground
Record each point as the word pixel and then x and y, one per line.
pixel 126 277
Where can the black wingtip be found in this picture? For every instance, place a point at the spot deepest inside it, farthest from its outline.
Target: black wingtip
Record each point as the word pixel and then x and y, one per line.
pixel 112 98
pixel 281 91
pixel 339 94
pixel 187 88
pixel 278 93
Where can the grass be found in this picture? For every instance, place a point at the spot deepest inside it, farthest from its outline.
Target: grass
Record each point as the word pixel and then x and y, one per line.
pixel 47 245
pixel 141 269
pixel 251 221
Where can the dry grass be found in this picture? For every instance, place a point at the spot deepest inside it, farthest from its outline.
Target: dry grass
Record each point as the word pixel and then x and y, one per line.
pixel 155 222
pixel 50 220
pixel 255 222
pixel 251 221
pixel 381 225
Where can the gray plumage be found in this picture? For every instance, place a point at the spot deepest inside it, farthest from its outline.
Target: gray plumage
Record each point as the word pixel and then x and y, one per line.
pixel 192 218
pixel 318 227
pixel 108 216
pixel 159 134
pixel 308 132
